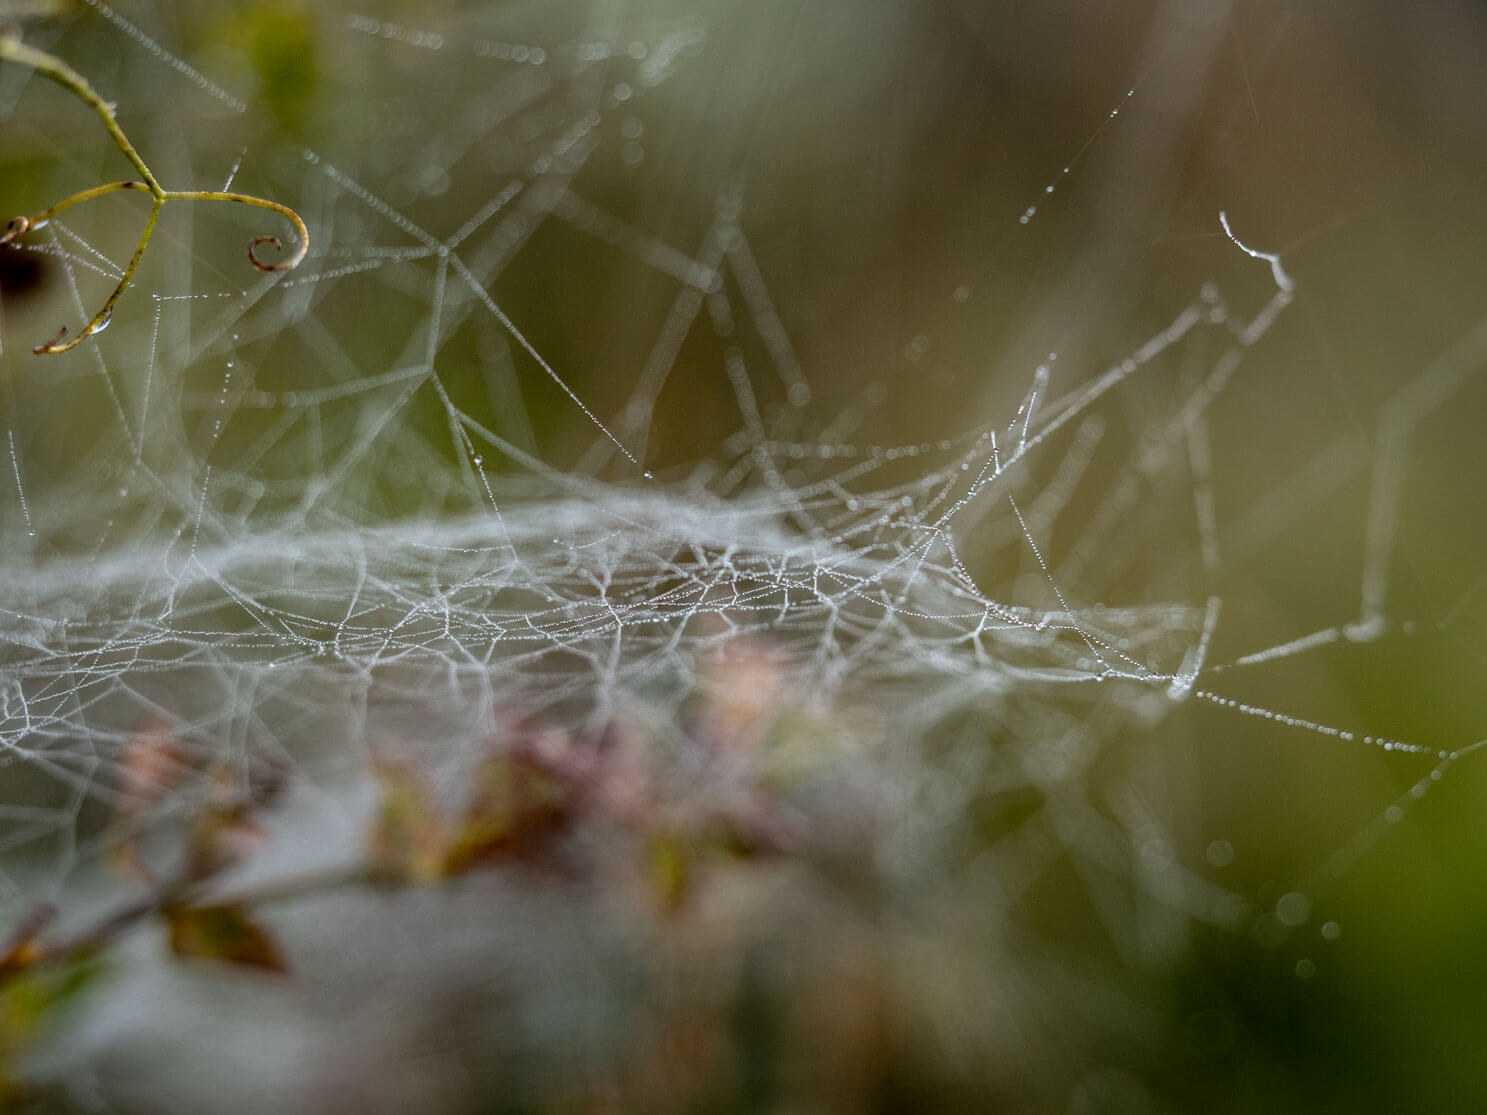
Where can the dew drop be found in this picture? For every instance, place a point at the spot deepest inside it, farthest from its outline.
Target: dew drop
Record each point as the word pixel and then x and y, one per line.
pixel 1293 909
pixel 1220 853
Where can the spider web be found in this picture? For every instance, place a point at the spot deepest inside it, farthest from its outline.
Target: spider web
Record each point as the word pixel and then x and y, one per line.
pixel 529 433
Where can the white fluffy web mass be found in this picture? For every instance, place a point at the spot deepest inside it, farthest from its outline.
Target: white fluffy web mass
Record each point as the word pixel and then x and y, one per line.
pixel 297 516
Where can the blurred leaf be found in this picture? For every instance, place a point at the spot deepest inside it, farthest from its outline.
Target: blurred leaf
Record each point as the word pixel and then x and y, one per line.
pixel 152 763
pixel 23 948
pixel 33 1002
pixel 521 800
pixel 222 832
pixel 223 933
pixel 408 835
pixel 35 997
pixel 669 864
pixel 18 10
pixel 226 831
pixel 754 825
pixel 743 686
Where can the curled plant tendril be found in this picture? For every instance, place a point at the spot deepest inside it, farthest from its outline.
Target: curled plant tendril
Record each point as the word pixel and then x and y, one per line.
pixel 13 50
pixel 15 230
pixel 56 343
pixel 282 265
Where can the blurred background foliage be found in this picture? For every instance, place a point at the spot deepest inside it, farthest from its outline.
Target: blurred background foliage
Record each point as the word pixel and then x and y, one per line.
pixel 883 151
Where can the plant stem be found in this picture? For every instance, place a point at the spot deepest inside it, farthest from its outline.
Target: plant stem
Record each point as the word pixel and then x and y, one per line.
pixel 13 50
pixel 25 953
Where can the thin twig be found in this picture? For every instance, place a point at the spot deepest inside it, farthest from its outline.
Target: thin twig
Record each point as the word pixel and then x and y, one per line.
pixel 185 893
pixel 13 50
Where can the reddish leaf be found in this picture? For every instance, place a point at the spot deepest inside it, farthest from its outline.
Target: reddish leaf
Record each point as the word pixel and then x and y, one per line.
pixel 152 763
pixel 226 830
pixel 753 825
pixel 521 800
pixel 743 687
pixel 24 947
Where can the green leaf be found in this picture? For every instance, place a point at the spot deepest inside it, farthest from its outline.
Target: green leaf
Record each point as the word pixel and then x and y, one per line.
pixel 408 835
pixel 223 933
pixel 670 868
pixel 32 1001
